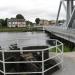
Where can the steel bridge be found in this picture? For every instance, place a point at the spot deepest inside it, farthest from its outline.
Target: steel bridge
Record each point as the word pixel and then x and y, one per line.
pixel 67 29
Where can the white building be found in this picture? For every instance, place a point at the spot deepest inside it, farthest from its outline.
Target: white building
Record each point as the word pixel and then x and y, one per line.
pixel 44 22
pixel 13 22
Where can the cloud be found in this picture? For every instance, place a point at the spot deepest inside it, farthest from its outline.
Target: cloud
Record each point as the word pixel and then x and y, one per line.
pixel 31 9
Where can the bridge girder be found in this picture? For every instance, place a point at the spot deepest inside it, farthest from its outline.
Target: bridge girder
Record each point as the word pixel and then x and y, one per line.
pixel 70 12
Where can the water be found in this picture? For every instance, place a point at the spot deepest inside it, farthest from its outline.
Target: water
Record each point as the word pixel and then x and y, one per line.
pixel 23 39
pixel 26 39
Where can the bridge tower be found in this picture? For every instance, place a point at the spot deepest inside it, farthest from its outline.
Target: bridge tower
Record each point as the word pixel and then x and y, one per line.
pixel 70 12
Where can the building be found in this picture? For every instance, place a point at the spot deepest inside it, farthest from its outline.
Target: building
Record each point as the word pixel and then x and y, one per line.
pixel 13 22
pixel 52 22
pixel 44 22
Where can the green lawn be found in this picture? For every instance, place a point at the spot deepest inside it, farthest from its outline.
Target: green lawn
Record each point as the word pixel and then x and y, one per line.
pixel 66 49
pixel 5 29
pixel 11 29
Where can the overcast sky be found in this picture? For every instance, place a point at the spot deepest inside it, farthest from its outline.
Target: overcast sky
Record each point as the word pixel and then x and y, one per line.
pixel 30 9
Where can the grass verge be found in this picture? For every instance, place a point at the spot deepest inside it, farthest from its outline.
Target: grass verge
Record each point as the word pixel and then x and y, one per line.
pixel 18 29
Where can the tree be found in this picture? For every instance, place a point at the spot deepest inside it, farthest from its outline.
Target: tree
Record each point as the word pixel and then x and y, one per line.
pixel 37 20
pixel 31 23
pixel 5 22
pixel 19 16
pixel 2 22
pixel 27 22
pixel 61 21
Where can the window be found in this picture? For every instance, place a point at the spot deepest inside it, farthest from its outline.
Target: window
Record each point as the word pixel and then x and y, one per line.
pixel 13 22
pixel 9 22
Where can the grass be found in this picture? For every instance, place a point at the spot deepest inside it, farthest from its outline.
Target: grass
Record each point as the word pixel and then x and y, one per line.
pixel 25 29
pixel 53 50
pixel 66 49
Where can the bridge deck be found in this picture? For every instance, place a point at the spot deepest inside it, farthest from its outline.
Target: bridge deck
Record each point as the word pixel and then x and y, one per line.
pixel 68 34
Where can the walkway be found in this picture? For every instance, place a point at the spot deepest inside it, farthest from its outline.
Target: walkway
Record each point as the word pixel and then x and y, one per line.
pixel 69 65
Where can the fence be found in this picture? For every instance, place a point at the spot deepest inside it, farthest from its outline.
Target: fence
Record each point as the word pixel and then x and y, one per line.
pixel 54 52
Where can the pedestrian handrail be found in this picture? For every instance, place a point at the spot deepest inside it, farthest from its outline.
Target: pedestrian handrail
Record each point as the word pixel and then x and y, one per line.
pixel 57 54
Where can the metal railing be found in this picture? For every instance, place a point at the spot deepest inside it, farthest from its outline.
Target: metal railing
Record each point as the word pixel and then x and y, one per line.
pixel 55 52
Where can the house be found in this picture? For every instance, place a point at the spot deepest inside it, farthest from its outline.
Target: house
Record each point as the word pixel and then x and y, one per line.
pixel 13 22
pixel 44 22
pixel 52 22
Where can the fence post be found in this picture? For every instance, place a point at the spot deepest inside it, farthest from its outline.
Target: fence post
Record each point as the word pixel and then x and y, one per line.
pixel 3 61
pixel 42 62
pixel 56 47
pixel 62 54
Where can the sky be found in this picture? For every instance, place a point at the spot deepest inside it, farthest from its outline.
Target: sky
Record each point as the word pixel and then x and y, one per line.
pixel 30 9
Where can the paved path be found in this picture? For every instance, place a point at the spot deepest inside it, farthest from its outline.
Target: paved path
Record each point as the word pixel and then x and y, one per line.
pixel 69 65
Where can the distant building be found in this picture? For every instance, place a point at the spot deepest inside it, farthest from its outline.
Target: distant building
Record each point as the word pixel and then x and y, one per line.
pixel 44 22
pixel 52 22
pixel 13 22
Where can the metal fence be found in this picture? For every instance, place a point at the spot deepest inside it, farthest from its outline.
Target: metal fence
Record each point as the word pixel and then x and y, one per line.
pixel 55 52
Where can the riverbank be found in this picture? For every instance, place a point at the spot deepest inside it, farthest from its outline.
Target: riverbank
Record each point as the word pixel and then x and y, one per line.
pixel 25 29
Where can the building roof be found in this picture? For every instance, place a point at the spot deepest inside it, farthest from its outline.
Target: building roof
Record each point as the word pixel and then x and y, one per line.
pixel 16 20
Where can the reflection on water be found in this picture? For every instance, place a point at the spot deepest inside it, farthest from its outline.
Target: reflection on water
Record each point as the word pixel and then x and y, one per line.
pixel 23 39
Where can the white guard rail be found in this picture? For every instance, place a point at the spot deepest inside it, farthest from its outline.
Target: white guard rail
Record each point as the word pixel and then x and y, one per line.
pixel 55 52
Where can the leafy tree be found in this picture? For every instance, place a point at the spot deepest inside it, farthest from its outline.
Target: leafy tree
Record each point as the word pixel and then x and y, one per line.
pixel 27 22
pixel 5 22
pixel 31 23
pixel 61 21
pixel 0 25
pixel 37 20
pixel 2 22
pixel 19 16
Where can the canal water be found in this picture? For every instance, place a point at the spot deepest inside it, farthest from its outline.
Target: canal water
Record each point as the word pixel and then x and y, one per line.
pixel 23 39
pixel 26 39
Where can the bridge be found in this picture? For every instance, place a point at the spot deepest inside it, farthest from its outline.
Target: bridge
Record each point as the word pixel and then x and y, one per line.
pixel 67 34
pixel 67 29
